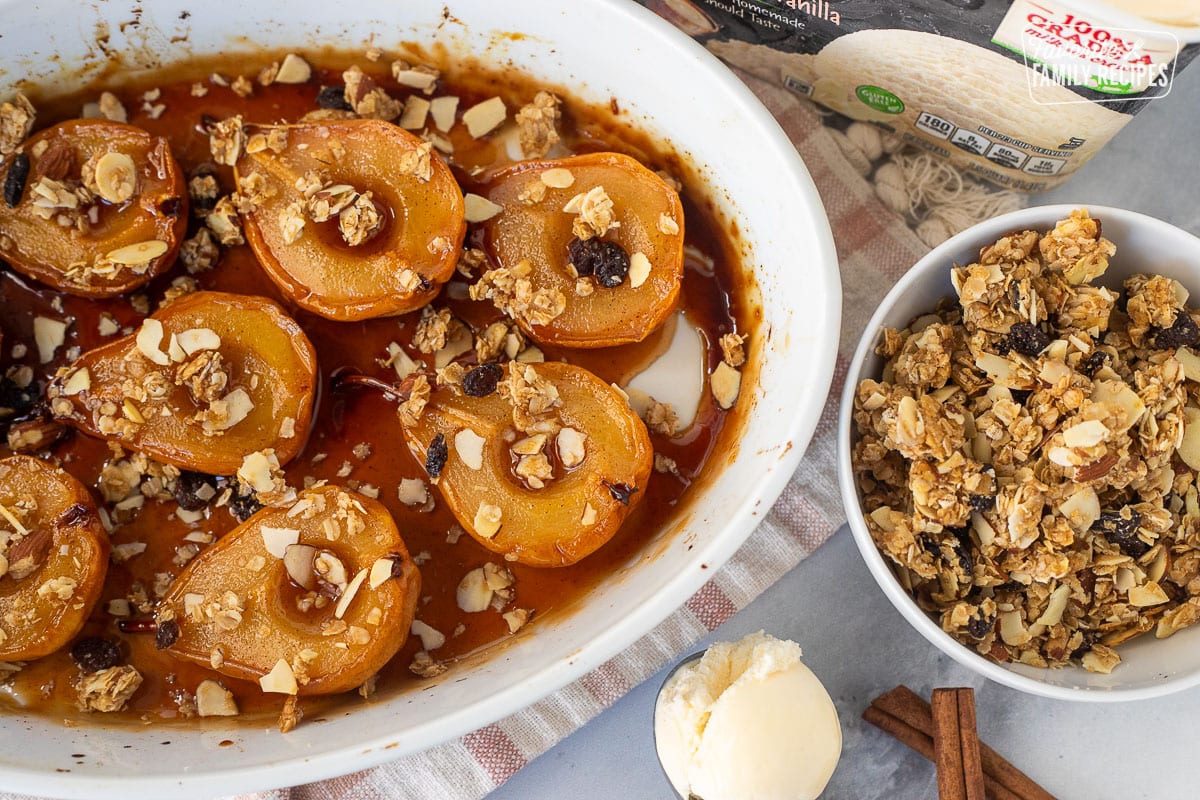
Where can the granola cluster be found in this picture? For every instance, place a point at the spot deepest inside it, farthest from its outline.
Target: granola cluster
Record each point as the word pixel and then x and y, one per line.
pixel 1028 457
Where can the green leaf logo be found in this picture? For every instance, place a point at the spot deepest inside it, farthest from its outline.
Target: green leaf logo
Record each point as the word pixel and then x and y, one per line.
pixel 880 99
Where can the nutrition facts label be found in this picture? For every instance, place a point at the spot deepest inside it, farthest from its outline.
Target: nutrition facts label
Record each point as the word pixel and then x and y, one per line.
pixel 1001 153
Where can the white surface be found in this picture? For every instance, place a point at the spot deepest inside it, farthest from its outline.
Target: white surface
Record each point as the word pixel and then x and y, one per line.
pixel 1149 666
pixel 710 117
pixel 860 646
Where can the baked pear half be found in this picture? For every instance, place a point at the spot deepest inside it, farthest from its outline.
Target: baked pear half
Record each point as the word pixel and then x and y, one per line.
pixel 599 239
pixel 53 558
pixel 92 208
pixel 202 384
pixel 352 219
pixel 310 599
pixel 538 462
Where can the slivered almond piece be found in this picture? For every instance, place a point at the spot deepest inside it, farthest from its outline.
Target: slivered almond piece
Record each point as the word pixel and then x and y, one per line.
pixel 214 700
pixel 49 335
pixel 473 594
pixel 570 446
pixel 348 596
pixel 431 638
pixel 479 209
pixel 443 111
pixel 483 118
pixel 80 380
pixel 726 384
pixel 277 540
pixel 469 446
pixel 149 338
pixel 639 269
pixel 558 178
pixel 1085 434
pixel 416 110
pixel 133 255
pixel 381 572
pixel 194 340
pixel 294 69
pixel 298 561
pixel 487 520
pixel 280 680
pixel 1148 594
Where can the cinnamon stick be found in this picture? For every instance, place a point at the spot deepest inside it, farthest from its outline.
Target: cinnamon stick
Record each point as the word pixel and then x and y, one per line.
pixel 905 715
pixel 956 745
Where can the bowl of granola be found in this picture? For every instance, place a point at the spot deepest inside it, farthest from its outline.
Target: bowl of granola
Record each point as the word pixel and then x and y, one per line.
pixel 363 383
pixel 1019 443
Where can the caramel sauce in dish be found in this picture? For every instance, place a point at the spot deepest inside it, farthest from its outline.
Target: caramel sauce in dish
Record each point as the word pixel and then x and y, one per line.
pixel 163 519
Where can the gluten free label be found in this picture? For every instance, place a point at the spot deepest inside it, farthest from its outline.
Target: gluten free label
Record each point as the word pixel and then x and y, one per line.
pixel 880 99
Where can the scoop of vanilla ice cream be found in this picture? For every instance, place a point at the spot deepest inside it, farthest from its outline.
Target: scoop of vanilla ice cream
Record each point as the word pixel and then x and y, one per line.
pixel 747 721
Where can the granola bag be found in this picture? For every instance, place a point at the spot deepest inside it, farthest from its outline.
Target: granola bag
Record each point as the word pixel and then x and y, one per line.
pixel 1018 93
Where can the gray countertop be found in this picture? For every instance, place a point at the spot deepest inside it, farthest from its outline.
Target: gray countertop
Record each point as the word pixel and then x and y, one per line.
pixel 860 646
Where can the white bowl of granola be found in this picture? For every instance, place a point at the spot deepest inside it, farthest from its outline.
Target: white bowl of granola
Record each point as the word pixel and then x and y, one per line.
pixel 1024 546
pixel 661 88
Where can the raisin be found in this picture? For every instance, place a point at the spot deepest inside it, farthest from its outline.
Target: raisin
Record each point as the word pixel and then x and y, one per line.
pixel 14 181
pixel 1120 528
pixel 397 564
pixel 1089 639
pixel 94 653
pixel 334 98
pixel 244 506
pixel 608 261
pixel 1092 364
pixel 1026 338
pixel 481 381
pixel 165 634
pixel 76 514
pixel 187 486
pixel 982 502
pixel 1182 333
pixel 436 455
pixel 979 625
pixel 621 492
pixel 171 207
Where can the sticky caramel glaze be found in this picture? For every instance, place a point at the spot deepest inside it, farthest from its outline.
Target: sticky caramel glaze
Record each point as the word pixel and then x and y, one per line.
pixel 344 418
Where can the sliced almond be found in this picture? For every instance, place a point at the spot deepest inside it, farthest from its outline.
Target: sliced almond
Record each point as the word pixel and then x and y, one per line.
pixel 193 340
pixel 469 446
pixel 1085 434
pixel 330 568
pixel 1081 509
pixel 133 255
pixel 148 341
pixel 1055 608
pixel 413 492
pixel 1189 447
pixel 639 269
pixel 473 594
pixel 588 518
pixel 348 596
pixel 667 225
pixel 238 407
pixel 277 540
pixel 49 335
pixel 280 680
pixel 1148 594
pixel 132 413
pixel 1012 629
pixel 487 520
pixel 214 700
pixel 483 118
pixel 478 209
pixel 298 561
pixel 294 69
pixel 116 177
pixel 515 619
pixel 530 445
pixel 174 351
pixel 80 380
pixel 416 110
pixel 1190 362
pixel 726 384
pixel 414 78
pixel 558 178
pixel 431 638
pixel 381 572
pixel 443 111
pixel 571 447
